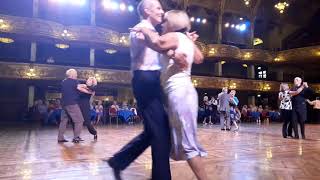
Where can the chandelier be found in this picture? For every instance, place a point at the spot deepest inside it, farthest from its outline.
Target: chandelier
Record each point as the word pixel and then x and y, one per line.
pixel 281 6
pixel 66 34
pixel 247 2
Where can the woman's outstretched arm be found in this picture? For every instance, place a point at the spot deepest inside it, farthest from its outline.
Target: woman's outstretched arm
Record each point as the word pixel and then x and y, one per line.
pixel 159 43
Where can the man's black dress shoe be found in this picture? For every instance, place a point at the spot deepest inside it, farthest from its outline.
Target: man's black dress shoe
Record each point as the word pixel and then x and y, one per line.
pixel 62 141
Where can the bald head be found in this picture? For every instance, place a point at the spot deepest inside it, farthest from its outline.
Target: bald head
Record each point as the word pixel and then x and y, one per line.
pixel 151 10
pixel 72 74
pixel 145 4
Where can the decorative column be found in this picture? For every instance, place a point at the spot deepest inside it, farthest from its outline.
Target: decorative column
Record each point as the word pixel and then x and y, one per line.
pixel 218 69
pixel 251 72
pixel 92 23
pixel 35 14
pixel 280 75
pixel 219 39
pixel 221 12
pixel 33 52
pixel 35 8
pixel 92 57
pixel 251 100
pixel 252 20
pixel 30 96
pixel 93 12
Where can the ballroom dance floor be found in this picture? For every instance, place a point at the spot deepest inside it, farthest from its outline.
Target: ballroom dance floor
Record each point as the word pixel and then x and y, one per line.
pixel 255 152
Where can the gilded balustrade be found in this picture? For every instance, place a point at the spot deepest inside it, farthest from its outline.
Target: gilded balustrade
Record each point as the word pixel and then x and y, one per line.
pixel 57 72
pixel 39 28
pixel 44 29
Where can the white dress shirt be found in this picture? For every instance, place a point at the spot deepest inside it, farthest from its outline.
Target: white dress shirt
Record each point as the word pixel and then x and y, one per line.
pixel 142 57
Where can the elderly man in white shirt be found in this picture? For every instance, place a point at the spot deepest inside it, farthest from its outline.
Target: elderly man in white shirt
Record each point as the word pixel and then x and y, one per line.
pixel 148 92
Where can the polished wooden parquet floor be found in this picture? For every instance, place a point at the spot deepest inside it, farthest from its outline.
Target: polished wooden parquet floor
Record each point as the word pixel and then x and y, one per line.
pixel 255 152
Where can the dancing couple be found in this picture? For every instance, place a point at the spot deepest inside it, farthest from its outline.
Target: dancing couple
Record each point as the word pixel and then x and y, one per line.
pixel 76 100
pixel 293 107
pixel 169 72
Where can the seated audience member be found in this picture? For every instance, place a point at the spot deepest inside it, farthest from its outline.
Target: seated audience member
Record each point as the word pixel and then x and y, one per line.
pixel 99 111
pixel 115 106
pixel 125 106
pixel 265 113
pixel 256 115
pixel 43 111
pixel 244 112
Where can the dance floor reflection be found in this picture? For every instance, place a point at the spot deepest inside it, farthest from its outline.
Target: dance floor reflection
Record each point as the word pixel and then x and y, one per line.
pixel 255 152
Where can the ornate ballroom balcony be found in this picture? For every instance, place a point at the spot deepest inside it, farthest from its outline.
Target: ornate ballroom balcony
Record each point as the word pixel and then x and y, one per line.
pixel 36 29
pixel 57 72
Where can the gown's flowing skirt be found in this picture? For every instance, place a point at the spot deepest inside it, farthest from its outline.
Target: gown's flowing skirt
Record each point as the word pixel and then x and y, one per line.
pixel 183 111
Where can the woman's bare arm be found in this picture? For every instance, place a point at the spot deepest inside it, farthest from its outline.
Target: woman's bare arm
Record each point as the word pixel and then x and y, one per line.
pixel 198 56
pixel 311 102
pixel 160 43
pixel 83 88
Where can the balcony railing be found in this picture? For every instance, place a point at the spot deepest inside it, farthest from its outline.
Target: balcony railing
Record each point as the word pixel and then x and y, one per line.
pixel 57 72
pixel 36 29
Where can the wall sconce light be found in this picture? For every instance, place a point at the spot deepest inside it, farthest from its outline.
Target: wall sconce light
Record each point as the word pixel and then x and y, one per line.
pixel 6 40
pixel 233 86
pixel 195 83
pixel 62 46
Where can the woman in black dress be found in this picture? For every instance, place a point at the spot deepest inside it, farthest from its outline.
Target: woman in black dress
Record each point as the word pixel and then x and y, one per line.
pixel 84 103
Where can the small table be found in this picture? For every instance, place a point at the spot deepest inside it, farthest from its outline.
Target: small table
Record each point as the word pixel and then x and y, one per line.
pixel 125 114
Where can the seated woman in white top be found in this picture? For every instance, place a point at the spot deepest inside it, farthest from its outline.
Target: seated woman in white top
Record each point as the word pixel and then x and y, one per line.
pixel 178 88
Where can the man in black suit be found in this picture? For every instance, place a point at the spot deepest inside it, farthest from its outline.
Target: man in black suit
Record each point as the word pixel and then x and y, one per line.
pixel 299 107
pixel 70 104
